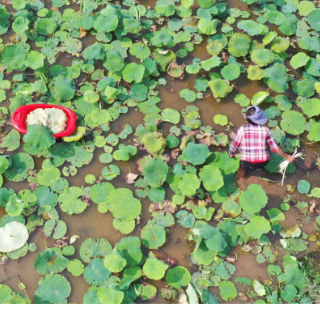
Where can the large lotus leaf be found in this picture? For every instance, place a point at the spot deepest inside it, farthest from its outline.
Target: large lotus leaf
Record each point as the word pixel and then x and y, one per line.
pixel 305 7
pixel 124 153
pixel 253 199
pixel 274 162
pixel 52 289
pixel 11 141
pixel 97 118
pixel 133 72
pixel 115 262
pixel 106 24
pixel 195 153
pixel 239 44
pixel 46 26
pixel 178 277
pixel 226 164
pixel 189 184
pixel 276 77
pixel 21 163
pixel 130 248
pixel 203 254
pixel 170 115
pixel 164 58
pixel 155 172
pixel 208 27
pixel 123 205
pixel 69 202
pixel 311 107
pixel 34 60
pixel 14 206
pixel 109 295
pixel 211 177
pixel 99 192
pixel 154 142
pixel 228 290
pixel 313 19
pixel 280 45
pixel 165 7
pixel 63 89
pixel 5 20
pixel 314 134
pixel 220 88
pixel 13 236
pixel 217 240
pixel 153 236
pixel 262 57
pixel 299 60
pixel 257 227
pixel 5 293
pixel 251 27
pixel 92 249
pixel 13 55
pixel 255 73
pixel 38 139
pixel 114 61
pixel 313 67
pixel 94 51
pixel 231 71
pixel 153 268
pixel 50 261
pixel 293 122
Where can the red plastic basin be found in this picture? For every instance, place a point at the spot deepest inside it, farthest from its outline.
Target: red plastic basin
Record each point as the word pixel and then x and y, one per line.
pixel 20 115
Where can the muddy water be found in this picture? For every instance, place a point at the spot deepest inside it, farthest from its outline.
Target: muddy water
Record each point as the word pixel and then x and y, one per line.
pixel 93 224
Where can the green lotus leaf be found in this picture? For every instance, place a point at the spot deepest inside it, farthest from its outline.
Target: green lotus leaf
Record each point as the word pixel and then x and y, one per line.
pixel 303 186
pixel 289 291
pixel 253 199
pixel 69 202
pixel 50 261
pixel 185 218
pixel 115 262
pixel 21 163
pixel 305 7
pixel 154 142
pixel 311 107
pixel 13 55
pixel 55 229
pixel 5 20
pixel 259 97
pixel 257 227
pixel 280 45
pixel 178 277
pixel 139 92
pixel 299 60
pixel 155 172
pixel 94 51
pixel 90 96
pixel 123 205
pixel 188 95
pixel 314 134
pixel 34 60
pixel 274 162
pixel 133 72
pixel 46 26
pixel 276 77
pixel 220 119
pixel 293 122
pixel 124 153
pixel 62 89
pixel 226 164
pixel 92 249
pixel 153 236
pixel 153 268
pixel 52 289
pixel 239 44
pixel 75 267
pixel 97 118
pixel 259 288
pixel 14 206
pixel 130 250
pixel 96 273
pixel 211 177
pixel 208 27
pixel 176 71
pixel 164 58
pixel 217 241
pixel 4 163
pixel 195 153
pixel 99 192
pixel 170 115
pixel 220 88
pixel 313 19
pixel 262 57
pixel 11 141
pixel 38 139
pixel 228 290
pixel 231 71
pixel 109 295
pixel 189 184
pixel 106 24
pixel 114 61
pixel 125 227
pixel 275 214
pixel 214 48
pixel 13 236
pixel 313 67
pixel 165 7
pixel 251 27
pixel 255 73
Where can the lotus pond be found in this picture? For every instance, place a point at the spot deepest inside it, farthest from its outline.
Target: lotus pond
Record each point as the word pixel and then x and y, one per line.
pixel 141 204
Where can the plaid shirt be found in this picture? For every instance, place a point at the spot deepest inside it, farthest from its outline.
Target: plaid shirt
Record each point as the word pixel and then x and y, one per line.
pixel 253 140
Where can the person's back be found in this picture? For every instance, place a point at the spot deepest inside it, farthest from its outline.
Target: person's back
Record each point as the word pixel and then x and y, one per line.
pixel 252 139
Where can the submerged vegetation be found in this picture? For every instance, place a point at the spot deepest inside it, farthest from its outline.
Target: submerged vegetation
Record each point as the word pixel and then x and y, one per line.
pixel 185 174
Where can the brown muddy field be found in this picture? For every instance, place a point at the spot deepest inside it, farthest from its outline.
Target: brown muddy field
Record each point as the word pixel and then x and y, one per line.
pixel 96 225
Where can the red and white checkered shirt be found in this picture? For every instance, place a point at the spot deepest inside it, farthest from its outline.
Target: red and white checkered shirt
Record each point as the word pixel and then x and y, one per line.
pixel 253 141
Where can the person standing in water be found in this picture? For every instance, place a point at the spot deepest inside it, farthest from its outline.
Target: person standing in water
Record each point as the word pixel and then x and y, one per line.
pixel 253 139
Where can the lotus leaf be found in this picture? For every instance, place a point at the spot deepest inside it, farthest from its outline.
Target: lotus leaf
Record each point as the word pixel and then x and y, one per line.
pixel 185 218
pixel 109 295
pixel 208 27
pixel 257 227
pixel 299 60
pixel 314 134
pixel 303 186
pixel 195 153
pixel 123 205
pixel 21 163
pixel 276 77
pixel 133 72
pixel 13 55
pixel 178 277
pixel 96 273
pixel 189 184
pixel 62 89
pixel 262 57
pixel 75 267
pixel 259 288
pixel 239 44
pixel 153 268
pixel 220 88
pixel 99 192
pixel 56 229
pixel 164 59
pixel 13 236
pixel 211 177
pixel 115 262
pixel 253 199
pixel 170 115
pixel 228 290
pixel 153 236
pixel 293 122
pixel 69 202
pixel 52 289
pixel 50 261
pixel 313 19
pixel 124 153
pixel 155 172
pixel 92 249
pixel 251 27
pixel 154 143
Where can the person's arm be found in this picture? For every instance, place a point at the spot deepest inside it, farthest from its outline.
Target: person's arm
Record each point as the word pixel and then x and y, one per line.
pixel 275 148
pixel 235 144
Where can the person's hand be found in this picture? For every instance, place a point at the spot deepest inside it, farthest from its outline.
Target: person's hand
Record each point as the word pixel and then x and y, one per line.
pixel 230 155
pixel 290 158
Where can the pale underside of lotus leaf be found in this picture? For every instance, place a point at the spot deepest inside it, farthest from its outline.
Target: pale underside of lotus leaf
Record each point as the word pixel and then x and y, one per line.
pixel 13 236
